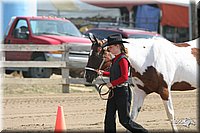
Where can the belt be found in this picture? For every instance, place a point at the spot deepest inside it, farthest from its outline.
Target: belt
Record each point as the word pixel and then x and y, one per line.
pixel 123 84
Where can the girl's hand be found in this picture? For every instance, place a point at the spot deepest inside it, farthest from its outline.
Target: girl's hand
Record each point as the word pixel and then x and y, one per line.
pixel 100 72
pixel 109 85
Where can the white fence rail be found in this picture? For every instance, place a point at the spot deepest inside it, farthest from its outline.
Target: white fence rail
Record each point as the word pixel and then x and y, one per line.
pixel 64 64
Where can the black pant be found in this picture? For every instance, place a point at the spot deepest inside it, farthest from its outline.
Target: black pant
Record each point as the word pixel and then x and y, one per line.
pixel 121 102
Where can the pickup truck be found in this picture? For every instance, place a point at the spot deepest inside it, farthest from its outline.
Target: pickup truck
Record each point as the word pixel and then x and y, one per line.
pixel 40 30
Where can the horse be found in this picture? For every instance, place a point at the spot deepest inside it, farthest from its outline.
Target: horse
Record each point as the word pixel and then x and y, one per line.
pixel 158 65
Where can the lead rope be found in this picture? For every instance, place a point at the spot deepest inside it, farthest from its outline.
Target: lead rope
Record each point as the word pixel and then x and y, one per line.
pixel 104 84
pixel 99 88
pixel 110 91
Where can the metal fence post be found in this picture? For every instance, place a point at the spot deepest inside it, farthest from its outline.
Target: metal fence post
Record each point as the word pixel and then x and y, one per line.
pixel 65 70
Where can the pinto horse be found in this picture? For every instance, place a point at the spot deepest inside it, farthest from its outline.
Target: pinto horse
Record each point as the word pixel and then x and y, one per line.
pixel 158 66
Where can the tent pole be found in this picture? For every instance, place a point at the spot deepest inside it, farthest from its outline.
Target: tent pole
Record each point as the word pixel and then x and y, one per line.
pixel 130 11
pixel 192 20
pixel 161 27
pixel 58 13
pixel 130 18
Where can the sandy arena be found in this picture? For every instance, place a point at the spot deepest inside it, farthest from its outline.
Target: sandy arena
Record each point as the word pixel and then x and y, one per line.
pixel 34 108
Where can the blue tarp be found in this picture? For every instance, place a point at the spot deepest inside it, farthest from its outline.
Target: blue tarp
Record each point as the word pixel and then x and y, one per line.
pixel 147 17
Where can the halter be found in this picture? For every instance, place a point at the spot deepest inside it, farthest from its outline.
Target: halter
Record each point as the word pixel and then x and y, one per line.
pixel 103 84
pixel 89 68
pixel 92 69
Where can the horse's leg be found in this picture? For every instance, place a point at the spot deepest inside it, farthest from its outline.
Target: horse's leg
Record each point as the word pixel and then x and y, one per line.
pixel 138 100
pixel 170 112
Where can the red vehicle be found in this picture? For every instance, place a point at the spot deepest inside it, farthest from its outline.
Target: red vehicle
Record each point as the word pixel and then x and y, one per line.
pixel 40 30
pixel 103 33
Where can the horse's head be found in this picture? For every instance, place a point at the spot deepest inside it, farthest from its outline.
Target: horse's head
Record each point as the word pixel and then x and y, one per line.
pixel 98 59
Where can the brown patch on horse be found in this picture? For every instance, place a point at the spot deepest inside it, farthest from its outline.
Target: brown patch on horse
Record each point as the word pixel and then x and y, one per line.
pixel 164 93
pixel 182 86
pixel 181 44
pixel 196 52
pixel 153 82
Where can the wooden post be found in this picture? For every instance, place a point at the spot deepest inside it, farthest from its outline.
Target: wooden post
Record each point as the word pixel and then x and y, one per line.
pixel 2 69
pixel 65 70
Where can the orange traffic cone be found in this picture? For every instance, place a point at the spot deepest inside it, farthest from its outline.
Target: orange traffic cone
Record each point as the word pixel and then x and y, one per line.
pixel 60 121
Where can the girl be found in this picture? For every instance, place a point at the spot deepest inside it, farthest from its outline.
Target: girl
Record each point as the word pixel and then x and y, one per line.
pixel 119 83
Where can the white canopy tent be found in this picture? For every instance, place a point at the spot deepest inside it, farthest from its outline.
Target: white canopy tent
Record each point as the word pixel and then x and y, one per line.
pixel 73 9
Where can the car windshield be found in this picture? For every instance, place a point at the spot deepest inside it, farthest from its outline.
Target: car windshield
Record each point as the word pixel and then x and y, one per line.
pixel 142 36
pixel 54 27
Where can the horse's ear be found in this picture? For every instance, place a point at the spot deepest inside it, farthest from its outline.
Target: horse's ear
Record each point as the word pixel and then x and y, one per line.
pixel 92 38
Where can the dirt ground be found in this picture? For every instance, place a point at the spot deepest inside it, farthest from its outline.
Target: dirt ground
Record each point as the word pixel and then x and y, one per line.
pixel 34 108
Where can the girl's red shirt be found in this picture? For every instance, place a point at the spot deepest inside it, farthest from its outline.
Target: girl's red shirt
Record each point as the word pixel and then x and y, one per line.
pixel 123 63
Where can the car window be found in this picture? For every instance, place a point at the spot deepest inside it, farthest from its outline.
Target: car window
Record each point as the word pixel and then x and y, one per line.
pixel 54 27
pixel 21 23
pixel 140 36
pixel 144 36
pixel 102 34
pixel 20 29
